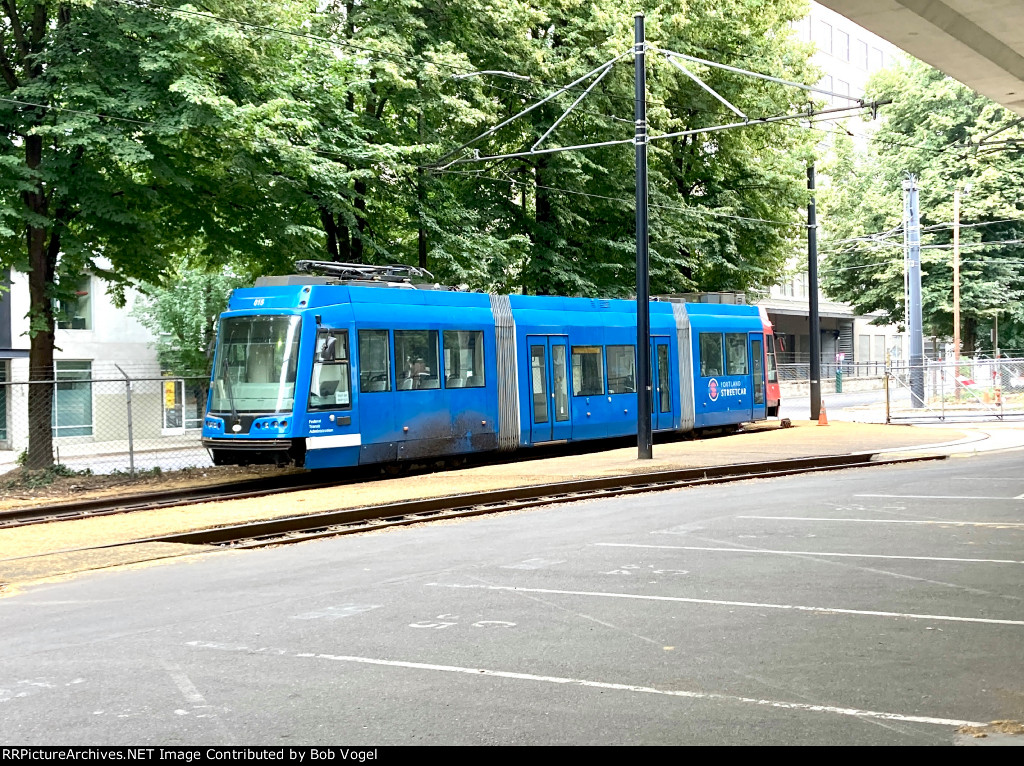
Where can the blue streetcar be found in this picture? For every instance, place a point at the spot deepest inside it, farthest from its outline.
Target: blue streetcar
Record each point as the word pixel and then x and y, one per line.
pixel 361 366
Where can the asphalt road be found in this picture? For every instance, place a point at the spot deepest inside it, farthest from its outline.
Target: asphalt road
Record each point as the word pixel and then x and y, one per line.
pixel 867 606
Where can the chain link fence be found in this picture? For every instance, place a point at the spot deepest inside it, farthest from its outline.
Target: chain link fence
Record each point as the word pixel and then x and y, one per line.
pixel 109 425
pixel 971 389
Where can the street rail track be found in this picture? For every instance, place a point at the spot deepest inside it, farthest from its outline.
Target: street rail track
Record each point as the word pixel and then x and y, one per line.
pixel 293 529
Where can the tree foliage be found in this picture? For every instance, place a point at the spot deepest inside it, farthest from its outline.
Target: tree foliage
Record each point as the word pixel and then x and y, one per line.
pixel 946 136
pixel 140 138
pixel 183 318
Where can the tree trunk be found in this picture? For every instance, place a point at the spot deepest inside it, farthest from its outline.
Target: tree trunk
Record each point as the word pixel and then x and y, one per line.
pixel 42 261
pixel 969 336
pixel 543 215
pixel 357 236
pixel 421 196
pixel 331 229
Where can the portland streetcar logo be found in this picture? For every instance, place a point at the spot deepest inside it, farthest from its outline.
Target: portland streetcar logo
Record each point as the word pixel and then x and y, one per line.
pixel 713 389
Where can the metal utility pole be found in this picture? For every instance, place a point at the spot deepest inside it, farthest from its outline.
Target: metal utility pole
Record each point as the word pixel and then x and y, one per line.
pixel 915 322
pixel 814 327
pixel 956 275
pixel 644 440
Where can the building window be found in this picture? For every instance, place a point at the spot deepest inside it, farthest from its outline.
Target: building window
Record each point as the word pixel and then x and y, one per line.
pixel 877 59
pixel 72 399
pixel 826 84
pixel 587 371
pixel 860 54
pixel 879 348
pixel 464 358
pixel 184 403
pixel 621 370
pixel 823 36
pixel 842 45
pixel 75 312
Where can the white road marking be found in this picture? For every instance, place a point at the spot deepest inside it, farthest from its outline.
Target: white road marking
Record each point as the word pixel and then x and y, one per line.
pixel 805 553
pixel 534 564
pixel 950 522
pixel 752 604
pixel 336 612
pixel 484 672
pixel 942 497
pixel 184 684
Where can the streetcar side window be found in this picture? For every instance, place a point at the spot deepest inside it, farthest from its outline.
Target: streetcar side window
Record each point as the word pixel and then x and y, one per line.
pixel 587 371
pixel 710 354
pixel 329 383
pixel 621 369
pixel 736 353
pixel 374 361
pixel 773 374
pixel 417 359
pixel 464 359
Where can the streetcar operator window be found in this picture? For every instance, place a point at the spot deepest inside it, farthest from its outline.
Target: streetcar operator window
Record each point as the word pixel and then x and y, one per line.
pixel 417 359
pixel 329 382
pixel 621 370
pixel 464 359
pixel 710 354
pixel 587 371
pixel 736 353
pixel 256 363
pixel 374 361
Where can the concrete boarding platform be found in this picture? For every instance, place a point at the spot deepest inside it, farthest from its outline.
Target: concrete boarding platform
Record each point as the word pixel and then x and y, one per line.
pixel 42 551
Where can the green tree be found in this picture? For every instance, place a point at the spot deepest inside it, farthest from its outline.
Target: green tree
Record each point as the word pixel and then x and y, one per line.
pixel 130 132
pixel 182 317
pixel 935 129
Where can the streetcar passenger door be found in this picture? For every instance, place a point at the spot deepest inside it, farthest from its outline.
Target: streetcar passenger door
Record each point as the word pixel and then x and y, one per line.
pixel 549 388
pixel 662 381
pixel 759 411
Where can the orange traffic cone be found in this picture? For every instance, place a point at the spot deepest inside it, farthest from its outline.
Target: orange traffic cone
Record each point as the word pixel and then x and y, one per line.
pixel 822 417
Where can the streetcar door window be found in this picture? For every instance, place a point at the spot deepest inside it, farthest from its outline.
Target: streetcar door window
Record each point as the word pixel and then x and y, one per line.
pixel 561 382
pixel 757 356
pixel 664 380
pixel 329 382
pixel 374 361
pixel 539 383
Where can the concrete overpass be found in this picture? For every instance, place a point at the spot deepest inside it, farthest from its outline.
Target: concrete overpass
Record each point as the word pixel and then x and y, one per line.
pixel 978 42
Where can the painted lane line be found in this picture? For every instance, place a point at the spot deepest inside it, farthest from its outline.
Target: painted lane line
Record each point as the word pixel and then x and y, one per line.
pixel 951 522
pixel 718 602
pixel 941 497
pixel 484 672
pixel 806 553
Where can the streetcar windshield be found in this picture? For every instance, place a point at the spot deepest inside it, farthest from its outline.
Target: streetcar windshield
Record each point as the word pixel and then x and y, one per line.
pixel 256 364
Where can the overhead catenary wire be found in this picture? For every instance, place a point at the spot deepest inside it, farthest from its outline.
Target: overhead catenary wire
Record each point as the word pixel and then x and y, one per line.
pixel 688 210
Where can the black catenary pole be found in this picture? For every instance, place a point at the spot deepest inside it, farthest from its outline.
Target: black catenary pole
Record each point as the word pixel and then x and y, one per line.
pixel 643 289
pixel 814 329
